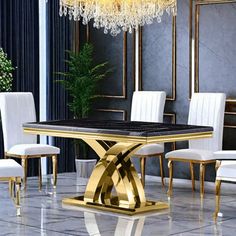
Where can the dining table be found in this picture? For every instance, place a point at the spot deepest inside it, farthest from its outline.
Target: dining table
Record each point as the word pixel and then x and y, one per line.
pixel 114 184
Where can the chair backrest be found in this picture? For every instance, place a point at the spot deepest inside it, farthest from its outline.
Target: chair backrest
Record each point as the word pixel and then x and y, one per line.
pixel 207 109
pixel 16 109
pixel 148 106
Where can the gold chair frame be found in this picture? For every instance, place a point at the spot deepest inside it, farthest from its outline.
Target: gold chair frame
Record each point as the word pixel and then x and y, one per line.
pixel 191 165
pixel 24 163
pixel 143 166
pixel 14 190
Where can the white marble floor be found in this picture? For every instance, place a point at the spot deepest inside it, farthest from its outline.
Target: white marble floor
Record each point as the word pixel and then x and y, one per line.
pixel 43 213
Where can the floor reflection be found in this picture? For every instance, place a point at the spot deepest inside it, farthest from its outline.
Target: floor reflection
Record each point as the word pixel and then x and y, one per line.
pixel 43 213
pixel 124 226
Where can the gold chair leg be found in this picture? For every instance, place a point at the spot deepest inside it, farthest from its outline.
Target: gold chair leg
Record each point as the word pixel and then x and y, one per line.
pixel 24 162
pixel 11 187
pixel 217 165
pixel 217 209
pixel 161 158
pixel 202 178
pixel 54 163
pixel 142 168
pixel 170 190
pixel 17 200
pixel 40 175
pixel 192 175
pixel 17 189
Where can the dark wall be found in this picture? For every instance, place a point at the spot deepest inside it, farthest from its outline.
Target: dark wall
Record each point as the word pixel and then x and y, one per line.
pixel 160 70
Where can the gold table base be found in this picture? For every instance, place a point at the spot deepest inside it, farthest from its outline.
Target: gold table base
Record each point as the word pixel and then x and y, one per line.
pixel 114 184
pixel 150 206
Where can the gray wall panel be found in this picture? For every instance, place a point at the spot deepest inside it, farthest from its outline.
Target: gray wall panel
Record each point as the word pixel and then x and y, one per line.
pixel 217 68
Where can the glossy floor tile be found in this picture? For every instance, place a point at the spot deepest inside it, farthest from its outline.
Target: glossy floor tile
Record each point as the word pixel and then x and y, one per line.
pixel 43 214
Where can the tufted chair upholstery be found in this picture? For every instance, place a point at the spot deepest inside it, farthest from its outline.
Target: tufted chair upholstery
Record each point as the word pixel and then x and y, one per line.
pixel 17 109
pixel 149 106
pixel 206 109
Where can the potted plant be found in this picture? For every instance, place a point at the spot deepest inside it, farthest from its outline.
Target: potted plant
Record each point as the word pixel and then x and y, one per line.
pixel 81 82
pixel 6 70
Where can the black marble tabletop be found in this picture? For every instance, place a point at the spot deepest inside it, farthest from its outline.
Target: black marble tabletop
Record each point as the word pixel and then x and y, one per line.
pixel 127 128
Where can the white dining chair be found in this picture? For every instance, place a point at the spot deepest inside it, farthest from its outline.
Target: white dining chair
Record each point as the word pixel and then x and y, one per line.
pixel 148 106
pixel 226 172
pixel 17 109
pixel 12 172
pixel 206 109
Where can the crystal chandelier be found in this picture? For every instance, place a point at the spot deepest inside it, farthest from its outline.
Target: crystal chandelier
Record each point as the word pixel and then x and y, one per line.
pixel 117 15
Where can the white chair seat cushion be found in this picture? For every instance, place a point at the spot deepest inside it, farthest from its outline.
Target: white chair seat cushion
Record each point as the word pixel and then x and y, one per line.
pixel 227 172
pixel 191 154
pixel 225 155
pixel 33 149
pixel 150 149
pixel 10 168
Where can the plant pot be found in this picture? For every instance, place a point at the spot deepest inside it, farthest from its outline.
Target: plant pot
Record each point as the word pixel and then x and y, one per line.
pixel 84 167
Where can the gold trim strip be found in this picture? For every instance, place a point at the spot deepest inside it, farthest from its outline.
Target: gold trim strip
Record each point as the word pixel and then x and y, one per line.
pixel 209 2
pixel 124 112
pixel 117 138
pixel 193 161
pixel 150 206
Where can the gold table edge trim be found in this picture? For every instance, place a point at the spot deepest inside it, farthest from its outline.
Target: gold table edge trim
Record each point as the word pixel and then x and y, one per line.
pixel 153 207
pixel 112 137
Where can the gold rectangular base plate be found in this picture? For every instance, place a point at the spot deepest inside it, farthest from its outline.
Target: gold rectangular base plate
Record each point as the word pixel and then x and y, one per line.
pixel 151 206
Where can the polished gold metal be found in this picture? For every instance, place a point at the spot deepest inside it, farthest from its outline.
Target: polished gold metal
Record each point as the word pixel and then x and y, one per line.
pixel 218 163
pixel 191 165
pixel 202 178
pixel 193 161
pixel 115 171
pixel 170 166
pixel 197 4
pixel 142 168
pixel 54 166
pixel 161 159
pixel 174 60
pixel 202 171
pixel 123 112
pixel 40 175
pixel 24 163
pixel 11 188
pixel 158 155
pixel 114 184
pixel 14 190
pixel 119 138
pixel 217 209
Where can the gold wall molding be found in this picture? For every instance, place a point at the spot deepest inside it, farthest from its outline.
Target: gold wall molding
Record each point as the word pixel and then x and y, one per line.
pixel 76 47
pixel 195 6
pixel 227 124
pixel 124 68
pixel 172 116
pixel 123 112
pixel 174 59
